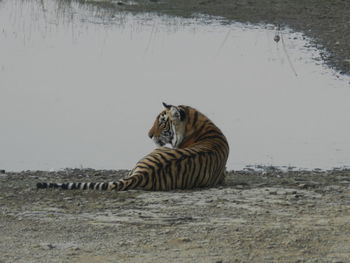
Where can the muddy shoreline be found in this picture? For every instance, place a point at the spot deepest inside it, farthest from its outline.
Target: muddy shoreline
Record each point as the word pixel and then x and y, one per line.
pixel 257 216
pixel 326 23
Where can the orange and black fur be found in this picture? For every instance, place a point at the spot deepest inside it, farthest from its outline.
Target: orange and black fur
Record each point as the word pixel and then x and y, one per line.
pixel 197 158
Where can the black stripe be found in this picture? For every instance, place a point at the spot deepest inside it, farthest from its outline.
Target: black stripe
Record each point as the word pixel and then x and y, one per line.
pixel 205 170
pixel 218 152
pixel 157 162
pixel 153 178
pixel 198 176
pixel 142 165
pixel 121 185
pixel 195 119
pixel 215 160
pixel 170 154
pixel 223 151
pixel 190 172
pixel 165 163
pixel 180 173
pixel 145 177
pixel 167 172
pixel 207 132
pixel 215 137
pixel 184 175
pixel 172 175
pixel 138 178
pixel 148 158
pixel 161 180
pixel 202 126
pixel 163 160
pixel 157 172
pixel 192 152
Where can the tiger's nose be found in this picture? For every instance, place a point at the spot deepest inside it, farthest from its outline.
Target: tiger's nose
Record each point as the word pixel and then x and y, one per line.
pixel 150 134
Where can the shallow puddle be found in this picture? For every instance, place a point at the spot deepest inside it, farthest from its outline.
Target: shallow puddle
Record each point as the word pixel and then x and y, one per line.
pixel 80 87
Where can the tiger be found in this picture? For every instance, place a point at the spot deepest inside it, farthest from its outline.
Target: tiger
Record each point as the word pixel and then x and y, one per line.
pixel 197 156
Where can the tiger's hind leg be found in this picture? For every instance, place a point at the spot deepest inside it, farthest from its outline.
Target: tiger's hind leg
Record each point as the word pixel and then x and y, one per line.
pixel 134 180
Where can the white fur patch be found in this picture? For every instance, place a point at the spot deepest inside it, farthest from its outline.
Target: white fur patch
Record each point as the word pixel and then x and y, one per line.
pixel 175 112
pixel 177 138
pixel 174 140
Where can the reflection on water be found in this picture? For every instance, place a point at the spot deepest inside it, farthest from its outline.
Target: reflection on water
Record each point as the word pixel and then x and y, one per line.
pixel 80 86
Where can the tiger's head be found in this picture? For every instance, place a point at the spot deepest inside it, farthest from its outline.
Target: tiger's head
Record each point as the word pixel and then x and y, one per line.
pixel 169 126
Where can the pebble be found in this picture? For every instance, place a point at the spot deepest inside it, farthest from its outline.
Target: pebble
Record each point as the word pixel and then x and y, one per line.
pixel 47 246
pixel 185 239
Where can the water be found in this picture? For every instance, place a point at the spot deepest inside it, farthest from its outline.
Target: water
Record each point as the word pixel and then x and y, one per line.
pixel 80 87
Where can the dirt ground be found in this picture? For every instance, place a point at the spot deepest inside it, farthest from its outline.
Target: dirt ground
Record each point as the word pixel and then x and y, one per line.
pixel 257 216
pixel 326 22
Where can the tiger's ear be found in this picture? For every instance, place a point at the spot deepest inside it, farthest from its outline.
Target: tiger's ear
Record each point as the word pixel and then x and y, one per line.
pixel 178 113
pixel 167 106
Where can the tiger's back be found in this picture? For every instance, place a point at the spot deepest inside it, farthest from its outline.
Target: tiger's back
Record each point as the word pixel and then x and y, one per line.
pixel 198 157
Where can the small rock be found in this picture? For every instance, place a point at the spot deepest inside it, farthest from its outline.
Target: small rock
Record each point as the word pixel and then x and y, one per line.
pixel 185 239
pixel 47 246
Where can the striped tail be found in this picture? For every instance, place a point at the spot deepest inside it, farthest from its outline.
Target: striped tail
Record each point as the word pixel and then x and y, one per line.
pixel 78 186
pixel 121 185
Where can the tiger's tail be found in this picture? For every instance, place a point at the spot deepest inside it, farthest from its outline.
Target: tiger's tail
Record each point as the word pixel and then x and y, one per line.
pixel 121 185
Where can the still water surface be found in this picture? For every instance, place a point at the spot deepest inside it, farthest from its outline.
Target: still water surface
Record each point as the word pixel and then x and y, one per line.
pixel 80 87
